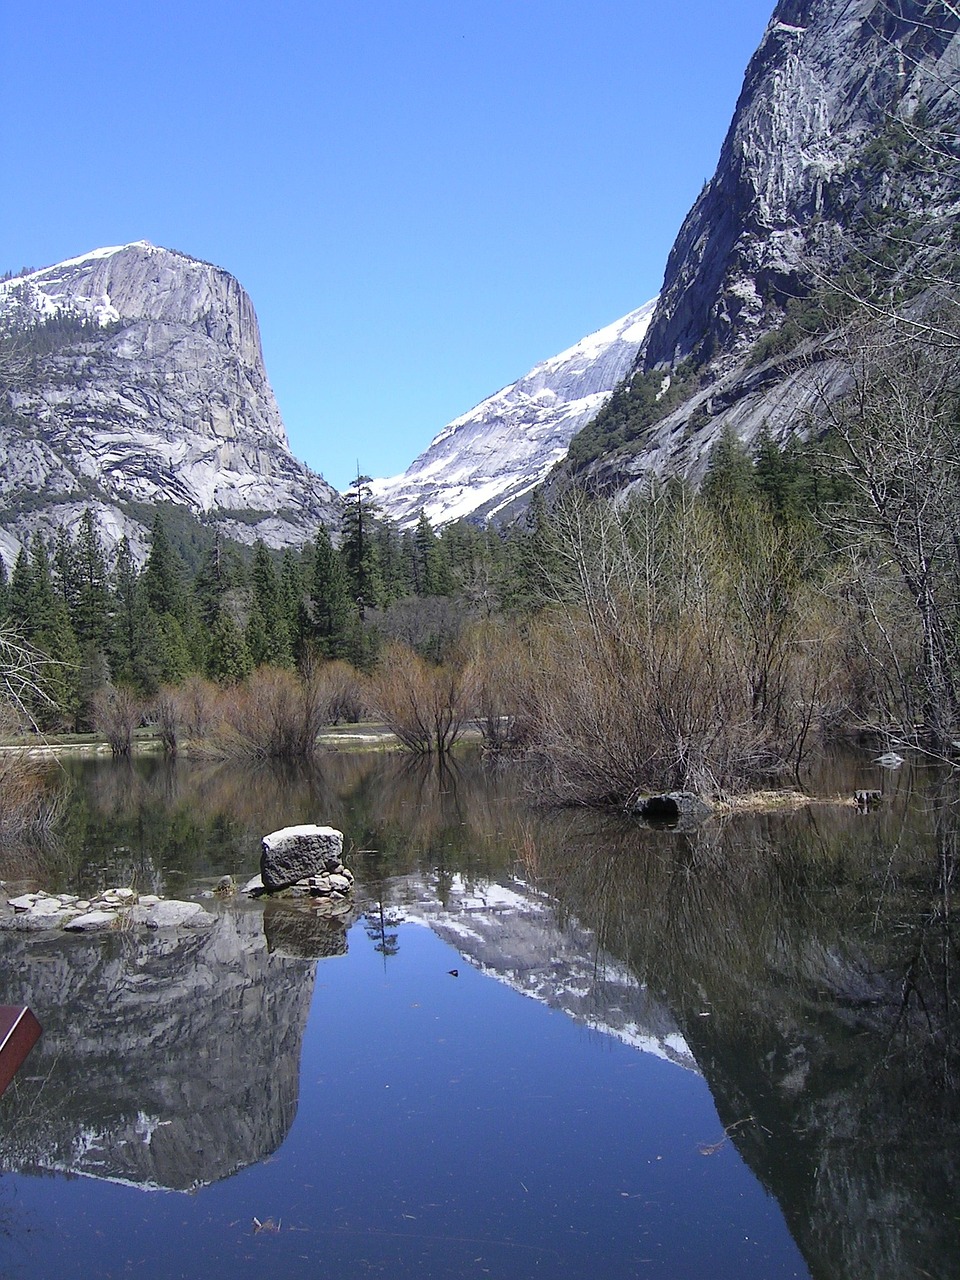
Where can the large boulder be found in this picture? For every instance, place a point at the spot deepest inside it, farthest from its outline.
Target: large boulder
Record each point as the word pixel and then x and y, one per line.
pixel 296 853
pixel 674 808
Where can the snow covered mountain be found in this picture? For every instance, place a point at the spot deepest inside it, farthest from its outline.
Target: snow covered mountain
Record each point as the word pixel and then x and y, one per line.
pixel 134 374
pixel 505 446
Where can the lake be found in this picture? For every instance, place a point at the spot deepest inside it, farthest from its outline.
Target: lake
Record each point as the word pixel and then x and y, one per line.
pixel 544 1044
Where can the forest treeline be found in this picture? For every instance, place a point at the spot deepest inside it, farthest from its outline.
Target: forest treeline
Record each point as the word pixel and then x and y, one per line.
pixel 702 638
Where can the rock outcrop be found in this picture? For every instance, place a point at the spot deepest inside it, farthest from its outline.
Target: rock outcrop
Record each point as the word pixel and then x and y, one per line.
pixel 134 374
pixel 842 144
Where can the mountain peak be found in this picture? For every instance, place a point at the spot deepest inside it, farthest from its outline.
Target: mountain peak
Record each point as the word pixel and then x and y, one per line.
pixel 505 446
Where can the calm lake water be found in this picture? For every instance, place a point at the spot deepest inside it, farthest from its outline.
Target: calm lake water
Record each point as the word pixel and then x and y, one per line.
pixel 545 1044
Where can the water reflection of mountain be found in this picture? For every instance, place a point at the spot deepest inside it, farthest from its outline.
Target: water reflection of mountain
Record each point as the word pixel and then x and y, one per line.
pixel 167 1061
pixel 809 962
pixel 812 965
pixel 511 933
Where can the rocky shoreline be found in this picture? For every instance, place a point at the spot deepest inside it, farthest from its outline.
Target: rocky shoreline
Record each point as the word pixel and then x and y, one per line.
pixel 116 909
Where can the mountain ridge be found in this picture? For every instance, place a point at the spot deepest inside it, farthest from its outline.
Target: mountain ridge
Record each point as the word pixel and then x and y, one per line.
pixel 497 452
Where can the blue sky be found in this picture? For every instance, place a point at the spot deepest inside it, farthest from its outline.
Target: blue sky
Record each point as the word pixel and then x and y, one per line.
pixel 423 197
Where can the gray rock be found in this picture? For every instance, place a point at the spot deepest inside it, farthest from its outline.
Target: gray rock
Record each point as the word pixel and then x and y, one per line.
pixel 170 914
pixel 24 902
pixel 46 907
pixel 92 922
pixel 674 808
pixel 795 183
pixel 295 853
pixel 167 401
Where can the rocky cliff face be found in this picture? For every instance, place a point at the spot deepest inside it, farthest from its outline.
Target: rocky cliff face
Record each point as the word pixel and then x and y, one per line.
pixel 843 144
pixel 830 77
pixel 141 380
pixel 501 449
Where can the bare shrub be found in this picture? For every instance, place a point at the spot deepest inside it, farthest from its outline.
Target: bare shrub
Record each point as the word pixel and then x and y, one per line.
pixel 274 714
pixel 502 683
pixel 196 709
pixel 426 706
pixel 682 652
pixel 116 712
pixel 164 716
pixel 343 690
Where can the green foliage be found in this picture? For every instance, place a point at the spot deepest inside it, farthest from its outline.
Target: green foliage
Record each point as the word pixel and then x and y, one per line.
pixel 636 405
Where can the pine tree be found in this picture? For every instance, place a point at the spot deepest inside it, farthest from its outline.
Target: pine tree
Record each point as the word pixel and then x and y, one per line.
pixel 730 484
pixel 331 609
pixel 228 659
pixel 431 577
pixel 358 547
pixel 18 596
pixel 90 613
pixel 49 629
pixel 124 631
pixel 162 577
pixel 267 614
pixel 4 592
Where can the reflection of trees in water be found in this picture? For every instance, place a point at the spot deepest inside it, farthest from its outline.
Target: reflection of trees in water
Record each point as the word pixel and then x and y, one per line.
pixel 812 963
pixel 161 824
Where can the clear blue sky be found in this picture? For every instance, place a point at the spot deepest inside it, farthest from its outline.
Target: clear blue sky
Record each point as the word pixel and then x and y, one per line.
pixel 422 197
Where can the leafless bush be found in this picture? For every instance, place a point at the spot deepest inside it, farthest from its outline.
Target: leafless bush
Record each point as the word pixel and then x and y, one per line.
pixel 274 714
pixel 343 690
pixel 426 706
pixel 503 681
pixel 196 706
pixel 164 716
pixel 681 652
pixel 116 712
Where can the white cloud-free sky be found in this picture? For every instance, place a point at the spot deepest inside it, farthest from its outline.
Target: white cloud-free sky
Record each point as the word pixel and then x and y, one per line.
pixel 424 198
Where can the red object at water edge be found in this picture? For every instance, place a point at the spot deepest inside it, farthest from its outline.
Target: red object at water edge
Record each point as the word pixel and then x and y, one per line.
pixel 19 1032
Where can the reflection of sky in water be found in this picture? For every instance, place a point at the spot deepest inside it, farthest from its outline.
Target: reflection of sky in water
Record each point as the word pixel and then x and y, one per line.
pixel 446 1127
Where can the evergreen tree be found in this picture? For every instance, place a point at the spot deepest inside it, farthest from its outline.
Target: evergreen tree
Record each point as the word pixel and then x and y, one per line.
pixel 531 561
pixel 431 577
pixel 4 592
pixel 331 609
pixel 293 602
pixel 271 643
pixel 394 566
pixel 162 577
pixel 125 628
pixel 730 483
pixel 228 659
pixel 358 546
pixel 18 596
pixel 90 610
pixel 49 629
pixel 215 577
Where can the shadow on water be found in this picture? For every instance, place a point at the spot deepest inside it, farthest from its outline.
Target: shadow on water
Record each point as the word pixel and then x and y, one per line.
pixel 806 964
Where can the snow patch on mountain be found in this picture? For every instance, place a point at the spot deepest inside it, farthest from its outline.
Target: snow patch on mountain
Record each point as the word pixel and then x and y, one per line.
pixel 508 443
